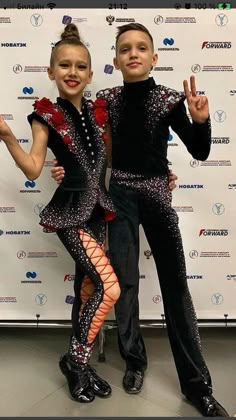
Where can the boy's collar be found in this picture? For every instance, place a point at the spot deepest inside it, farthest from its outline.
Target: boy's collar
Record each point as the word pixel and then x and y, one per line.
pixel 143 84
pixel 135 91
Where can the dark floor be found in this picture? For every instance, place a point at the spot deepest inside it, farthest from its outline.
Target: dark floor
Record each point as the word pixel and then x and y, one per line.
pixel 32 385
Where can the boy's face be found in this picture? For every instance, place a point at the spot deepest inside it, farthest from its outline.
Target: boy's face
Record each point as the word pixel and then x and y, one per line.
pixel 134 56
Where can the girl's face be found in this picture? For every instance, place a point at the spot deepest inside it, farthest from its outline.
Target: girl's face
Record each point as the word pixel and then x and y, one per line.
pixel 71 71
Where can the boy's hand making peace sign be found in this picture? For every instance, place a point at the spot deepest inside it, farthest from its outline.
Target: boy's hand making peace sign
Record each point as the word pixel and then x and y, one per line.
pixel 197 105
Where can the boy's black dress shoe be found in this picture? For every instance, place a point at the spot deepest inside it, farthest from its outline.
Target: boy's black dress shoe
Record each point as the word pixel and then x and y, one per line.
pixel 208 406
pixel 78 380
pixel 100 387
pixel 133 381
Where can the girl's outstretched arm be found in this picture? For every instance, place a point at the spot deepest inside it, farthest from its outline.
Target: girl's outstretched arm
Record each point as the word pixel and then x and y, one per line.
pixel 30 163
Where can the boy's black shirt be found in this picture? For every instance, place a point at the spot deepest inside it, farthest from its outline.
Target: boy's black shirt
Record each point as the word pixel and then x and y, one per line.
pixel 140 114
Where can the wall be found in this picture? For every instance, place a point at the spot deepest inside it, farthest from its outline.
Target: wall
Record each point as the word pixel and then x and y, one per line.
pixel 36 272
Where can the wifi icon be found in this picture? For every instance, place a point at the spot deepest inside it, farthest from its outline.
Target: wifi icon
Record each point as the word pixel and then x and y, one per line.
pixel 51 5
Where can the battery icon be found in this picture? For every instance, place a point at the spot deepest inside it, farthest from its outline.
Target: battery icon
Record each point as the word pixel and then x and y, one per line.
pixel 224 6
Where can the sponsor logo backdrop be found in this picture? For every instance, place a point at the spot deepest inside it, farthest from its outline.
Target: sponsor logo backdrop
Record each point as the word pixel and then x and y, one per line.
pixel 37 275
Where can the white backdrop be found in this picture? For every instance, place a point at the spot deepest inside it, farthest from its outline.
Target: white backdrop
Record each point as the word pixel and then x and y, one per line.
pixel 36 272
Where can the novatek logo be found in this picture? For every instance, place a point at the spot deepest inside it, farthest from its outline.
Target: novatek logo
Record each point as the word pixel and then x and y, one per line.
pixel 13 44
pixel 18 232
pixel 216 45
pixel 191 186
pixel 69 277
pixel 198 92
pixel 23 140
pixel 213 232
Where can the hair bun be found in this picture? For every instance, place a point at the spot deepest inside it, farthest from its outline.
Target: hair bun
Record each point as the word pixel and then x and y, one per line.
pixel 70 31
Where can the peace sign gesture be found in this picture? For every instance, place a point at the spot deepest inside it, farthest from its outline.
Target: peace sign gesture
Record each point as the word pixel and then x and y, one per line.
pixel 197 105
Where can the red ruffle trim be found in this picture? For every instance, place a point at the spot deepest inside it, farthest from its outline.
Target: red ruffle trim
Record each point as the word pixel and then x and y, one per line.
pixel 109 215
pixel 49 228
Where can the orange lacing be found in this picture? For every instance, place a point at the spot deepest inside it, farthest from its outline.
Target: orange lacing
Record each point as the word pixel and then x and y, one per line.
pixel 87 287
pixel 102 265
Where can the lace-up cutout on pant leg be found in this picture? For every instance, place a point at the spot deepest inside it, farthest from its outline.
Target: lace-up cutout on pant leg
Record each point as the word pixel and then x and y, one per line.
pixel 102 265
pixel 93 262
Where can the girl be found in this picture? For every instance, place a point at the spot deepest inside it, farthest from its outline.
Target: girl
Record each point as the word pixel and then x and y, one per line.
pixel 73 129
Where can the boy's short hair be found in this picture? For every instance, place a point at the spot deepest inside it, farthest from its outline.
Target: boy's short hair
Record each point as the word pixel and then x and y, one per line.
pixel 133 27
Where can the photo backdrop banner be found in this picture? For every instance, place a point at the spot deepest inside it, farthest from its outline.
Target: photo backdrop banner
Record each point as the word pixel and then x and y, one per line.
pixel 37 274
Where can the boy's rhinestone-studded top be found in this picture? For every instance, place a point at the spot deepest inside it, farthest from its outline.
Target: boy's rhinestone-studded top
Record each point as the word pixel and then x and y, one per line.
pixel 140 115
